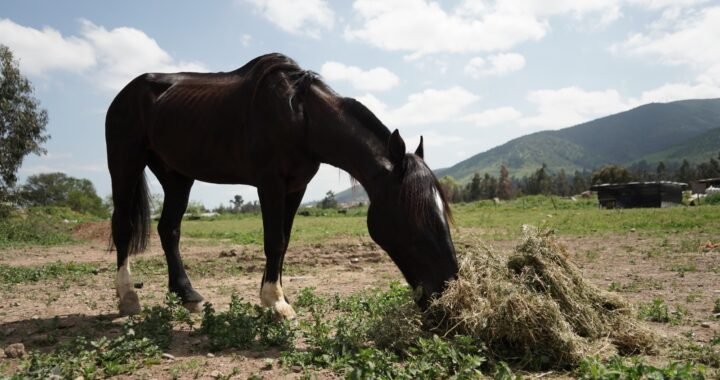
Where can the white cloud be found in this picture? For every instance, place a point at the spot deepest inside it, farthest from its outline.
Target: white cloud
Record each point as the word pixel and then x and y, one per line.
pixel 110 58
pixel 423 27
pixel 308 17
pixel 494 116
pixel 569 106
pixel 499 64
pixel 659 4
pixel 45 50
pixel 690 40
pixel 377 79
pixel 123 53
pixel 246 40
pixel 426 107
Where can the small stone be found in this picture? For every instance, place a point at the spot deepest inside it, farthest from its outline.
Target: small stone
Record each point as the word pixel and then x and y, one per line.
pixel 80 378
pixel 632 230
pixel 354 260
pixel 216 374
pixel 15 350
pixel 210 355
pixel 296 369
pixel 168 356
pixel 15 304
pixel 35 317
pixel 705 325
pixel 607 279
pixel 138 285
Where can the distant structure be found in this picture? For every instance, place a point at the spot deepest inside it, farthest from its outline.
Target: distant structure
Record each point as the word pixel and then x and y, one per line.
pixel 639 194
pixel 699 186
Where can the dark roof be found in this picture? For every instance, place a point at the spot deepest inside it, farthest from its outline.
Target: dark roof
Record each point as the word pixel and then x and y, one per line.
pixel 636 184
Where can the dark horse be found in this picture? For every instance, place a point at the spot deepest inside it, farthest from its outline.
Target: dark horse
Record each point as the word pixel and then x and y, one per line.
pixel 268 124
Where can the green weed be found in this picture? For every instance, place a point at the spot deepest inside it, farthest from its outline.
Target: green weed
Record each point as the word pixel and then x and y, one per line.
pixel 20 274
pixel 619 368
pixel 244 326
pixel 658 311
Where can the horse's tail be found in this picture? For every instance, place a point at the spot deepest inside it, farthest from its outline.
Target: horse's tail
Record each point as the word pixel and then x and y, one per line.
pixel 140 217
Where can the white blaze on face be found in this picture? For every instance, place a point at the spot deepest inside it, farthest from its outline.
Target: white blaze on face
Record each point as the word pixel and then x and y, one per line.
pixel 271 295
pixel 123 283
pixel 439 203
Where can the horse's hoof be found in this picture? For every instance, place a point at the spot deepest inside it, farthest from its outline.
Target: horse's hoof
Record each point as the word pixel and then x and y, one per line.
pixel 193 307
pixel 129 304
pixel 283 310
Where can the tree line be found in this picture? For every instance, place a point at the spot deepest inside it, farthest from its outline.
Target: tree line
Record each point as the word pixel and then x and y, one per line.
pixel 549 182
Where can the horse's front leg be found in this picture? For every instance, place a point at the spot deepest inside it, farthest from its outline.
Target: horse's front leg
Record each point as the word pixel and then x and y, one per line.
pixel 177 193
pixel 278 212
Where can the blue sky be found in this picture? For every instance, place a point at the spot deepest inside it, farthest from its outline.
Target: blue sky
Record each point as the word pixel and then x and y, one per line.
pixel 467 75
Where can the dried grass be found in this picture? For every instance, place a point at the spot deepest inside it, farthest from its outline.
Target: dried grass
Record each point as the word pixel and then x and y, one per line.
pixel 533 307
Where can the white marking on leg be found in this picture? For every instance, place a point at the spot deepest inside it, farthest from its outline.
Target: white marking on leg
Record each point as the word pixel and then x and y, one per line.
pixel 129 302
pixel 271 295
pixel 123 283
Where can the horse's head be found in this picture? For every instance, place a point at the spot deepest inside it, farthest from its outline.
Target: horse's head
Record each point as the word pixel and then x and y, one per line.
pixel 409 218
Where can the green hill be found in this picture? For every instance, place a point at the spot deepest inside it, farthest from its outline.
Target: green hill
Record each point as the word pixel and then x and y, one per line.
pixel 686 129
pixel 653 132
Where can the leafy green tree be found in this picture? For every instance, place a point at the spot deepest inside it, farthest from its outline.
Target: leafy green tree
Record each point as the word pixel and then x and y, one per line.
pixel 329 201
pixel 562 186
pixel 473 190
pixel 59 189
pixel 451 189
pixel 661 171
pixel 22 122
pixel 685 173
pixel 611 174
pixel 488 187
pixel 237 203
pixel 579 184
pixel 539 182
pixel 504 189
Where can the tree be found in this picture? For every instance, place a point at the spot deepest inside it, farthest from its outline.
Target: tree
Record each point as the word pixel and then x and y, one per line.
pixel 504 190
pixel 579 184
pixel 660 171
pixel 59 189
pixel 473 190
pixel 22 121
pixel 450 188
pixel 329 200
pixel 562 186
pixel 237 203
pixel 488 186
pixel 685 173
pixel 539 182
pixel 611 174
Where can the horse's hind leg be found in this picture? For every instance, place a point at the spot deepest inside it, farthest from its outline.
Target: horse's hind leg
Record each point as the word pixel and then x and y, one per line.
pixel 128 227
pixel 278 211
pixel 177 192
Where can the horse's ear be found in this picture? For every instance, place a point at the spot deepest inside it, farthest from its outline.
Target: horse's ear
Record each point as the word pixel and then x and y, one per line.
pixel 420 151
pixel 396 148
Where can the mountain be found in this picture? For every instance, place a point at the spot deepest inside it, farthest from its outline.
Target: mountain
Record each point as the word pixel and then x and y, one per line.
pixel 653 132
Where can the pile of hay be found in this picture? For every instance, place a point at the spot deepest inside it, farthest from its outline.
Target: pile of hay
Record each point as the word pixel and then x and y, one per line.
pixel 533 307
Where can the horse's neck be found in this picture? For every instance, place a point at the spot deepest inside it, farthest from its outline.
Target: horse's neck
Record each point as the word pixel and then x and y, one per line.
pixel 341 141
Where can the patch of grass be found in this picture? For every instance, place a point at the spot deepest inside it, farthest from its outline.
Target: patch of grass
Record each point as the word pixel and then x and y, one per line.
pixel 658 311
pixel 245 326
pixel 20 274
pixel 140 344
pixel 716 307
pixel 619 368
pixel 37 226
pixel 707 354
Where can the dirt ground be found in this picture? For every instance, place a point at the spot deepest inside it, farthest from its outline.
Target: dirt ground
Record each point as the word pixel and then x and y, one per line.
pixel 679 269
